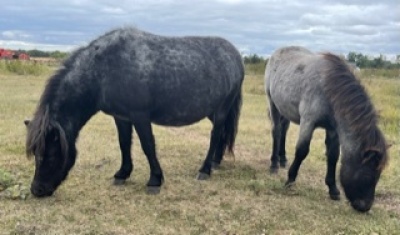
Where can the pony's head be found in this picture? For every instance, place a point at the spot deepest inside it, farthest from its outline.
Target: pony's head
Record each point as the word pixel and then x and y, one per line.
pixel 360 176
pixel 47 142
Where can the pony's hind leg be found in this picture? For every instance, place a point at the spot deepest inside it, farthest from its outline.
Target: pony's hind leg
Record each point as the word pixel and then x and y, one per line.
pixel 302 149
pixel 205 170
pixel 276 138
pixel 225 123
pixel 332 153
pixel 145 133
pixel 220 149
pixel 125 142
pixel 219 153
pixel 282 148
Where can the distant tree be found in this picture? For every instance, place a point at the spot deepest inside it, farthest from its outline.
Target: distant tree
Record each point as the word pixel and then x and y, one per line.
pixel 253 59
pixel 53 54
pixel 363 61
pixel 380 62
pixel 352 56
pixel 58 54
pixel 38 53
pixel 19 51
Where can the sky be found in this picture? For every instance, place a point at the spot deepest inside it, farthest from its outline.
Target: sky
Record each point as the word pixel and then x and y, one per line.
pixel 253 26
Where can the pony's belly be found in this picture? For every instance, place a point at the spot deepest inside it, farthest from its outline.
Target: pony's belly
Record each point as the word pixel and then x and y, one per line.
pixel 176 120
pixel 186 110
pixel 289 110
pixel 292 116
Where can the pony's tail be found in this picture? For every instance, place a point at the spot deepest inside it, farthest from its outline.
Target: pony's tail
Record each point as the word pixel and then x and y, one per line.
pixel 231 124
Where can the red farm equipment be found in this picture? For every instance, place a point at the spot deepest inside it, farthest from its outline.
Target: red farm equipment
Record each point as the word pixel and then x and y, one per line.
pixel 9 55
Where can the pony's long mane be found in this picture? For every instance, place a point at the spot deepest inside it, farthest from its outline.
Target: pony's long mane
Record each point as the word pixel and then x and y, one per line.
pixel 54 82
pixel 352 106
pixel 42 121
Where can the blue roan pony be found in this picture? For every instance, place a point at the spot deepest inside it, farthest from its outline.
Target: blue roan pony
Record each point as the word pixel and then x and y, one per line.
pixel 138 78
pixel 319 90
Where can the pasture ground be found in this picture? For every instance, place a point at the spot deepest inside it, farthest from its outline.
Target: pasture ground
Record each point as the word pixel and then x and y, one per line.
pixel 240 198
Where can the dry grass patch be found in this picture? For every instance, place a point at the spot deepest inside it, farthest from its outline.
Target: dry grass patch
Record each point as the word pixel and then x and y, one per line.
pixel 240 198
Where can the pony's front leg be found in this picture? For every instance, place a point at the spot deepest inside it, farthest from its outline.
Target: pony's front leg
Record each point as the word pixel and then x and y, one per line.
pixel 125 142
pixel 332 153
pixel 145 133
pixel 302 149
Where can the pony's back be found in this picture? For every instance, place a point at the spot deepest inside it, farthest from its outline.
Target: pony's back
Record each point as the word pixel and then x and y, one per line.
pixel 293 82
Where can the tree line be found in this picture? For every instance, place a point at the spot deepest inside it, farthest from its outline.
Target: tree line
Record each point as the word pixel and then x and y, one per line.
pixel 47 54
pixel 359 59
pixel 364 61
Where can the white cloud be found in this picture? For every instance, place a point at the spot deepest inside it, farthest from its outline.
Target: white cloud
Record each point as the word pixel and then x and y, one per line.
pixel 361 30
pixel 113 10
pixel 14 34
pixel 15 45
pixel 230 1
pixel 254 26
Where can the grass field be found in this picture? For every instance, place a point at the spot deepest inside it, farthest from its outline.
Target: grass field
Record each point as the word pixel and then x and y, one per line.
pixel 240 198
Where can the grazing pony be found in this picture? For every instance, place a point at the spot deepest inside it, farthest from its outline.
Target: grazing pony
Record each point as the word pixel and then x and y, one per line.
pixel 138 78
pixel 319 90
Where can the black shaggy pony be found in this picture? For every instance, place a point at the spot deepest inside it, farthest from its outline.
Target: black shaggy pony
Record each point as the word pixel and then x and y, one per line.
pixel 138 78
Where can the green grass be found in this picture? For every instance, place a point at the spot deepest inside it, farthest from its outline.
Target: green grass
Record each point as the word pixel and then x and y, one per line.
pixel 386 73
pixel 240 198
pixel 255 69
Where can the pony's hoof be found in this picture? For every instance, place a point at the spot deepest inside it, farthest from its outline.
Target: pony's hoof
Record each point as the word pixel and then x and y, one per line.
pixel 335 197
pixel 289 184
pixel 273 170
pixel 282 164
pixel 203 176
pixel 153 190
pixel 118 181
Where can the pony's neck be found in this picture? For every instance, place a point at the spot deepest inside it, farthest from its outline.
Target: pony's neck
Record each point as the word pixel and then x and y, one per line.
pixel 355 116
pixel 71 104
pixel 354 139
pixel 349 141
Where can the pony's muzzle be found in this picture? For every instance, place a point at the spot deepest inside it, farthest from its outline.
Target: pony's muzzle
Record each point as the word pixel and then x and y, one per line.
pixel 40 190
pixel 361 205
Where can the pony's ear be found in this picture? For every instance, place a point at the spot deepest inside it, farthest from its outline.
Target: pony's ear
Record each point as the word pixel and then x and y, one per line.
pixel 26 122
pixel 372 158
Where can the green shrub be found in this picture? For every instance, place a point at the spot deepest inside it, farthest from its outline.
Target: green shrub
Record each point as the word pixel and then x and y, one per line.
pixel 255 68
pixel 5 179
pixel 23 67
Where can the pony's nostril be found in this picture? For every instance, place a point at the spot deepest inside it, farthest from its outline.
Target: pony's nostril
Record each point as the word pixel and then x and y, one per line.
pixel 38 190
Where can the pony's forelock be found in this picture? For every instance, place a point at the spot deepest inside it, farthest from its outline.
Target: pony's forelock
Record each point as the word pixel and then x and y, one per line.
pixel 38 129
